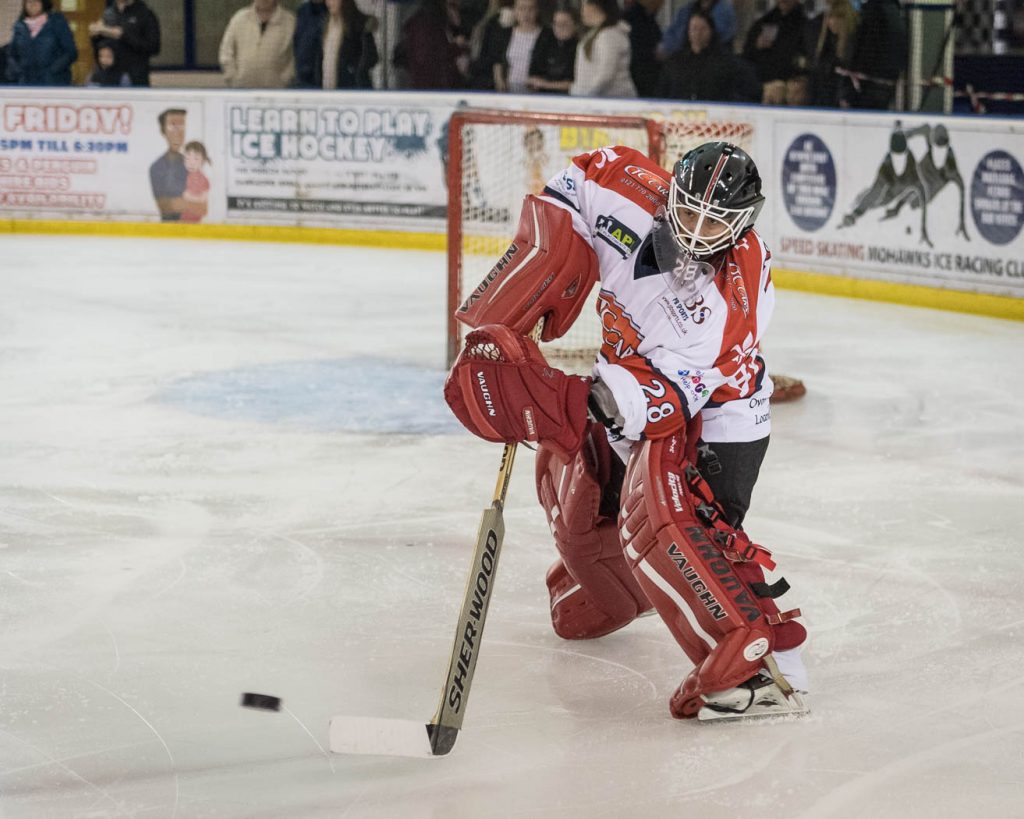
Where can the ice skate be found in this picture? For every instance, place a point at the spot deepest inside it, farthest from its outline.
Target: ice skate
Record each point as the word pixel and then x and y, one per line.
pixel 760 696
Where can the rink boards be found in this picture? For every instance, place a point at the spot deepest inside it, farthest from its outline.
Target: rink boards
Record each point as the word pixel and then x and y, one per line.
pixel 844 190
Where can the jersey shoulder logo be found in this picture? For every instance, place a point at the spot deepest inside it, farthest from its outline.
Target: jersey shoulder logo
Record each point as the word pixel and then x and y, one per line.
pixel 623 240
pixel 648 178
pixel 626 172
pixel 563 188
pixel 641 185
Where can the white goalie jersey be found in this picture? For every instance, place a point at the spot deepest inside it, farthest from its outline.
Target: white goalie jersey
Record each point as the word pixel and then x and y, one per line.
pixel 664 356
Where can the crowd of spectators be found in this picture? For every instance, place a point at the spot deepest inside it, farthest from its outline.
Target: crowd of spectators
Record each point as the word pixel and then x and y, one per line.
pixel 600 48
pixel 616 48
pixel 42 47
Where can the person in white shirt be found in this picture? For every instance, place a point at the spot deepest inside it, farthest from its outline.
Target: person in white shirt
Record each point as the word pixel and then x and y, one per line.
pixel 603 56
pixel 334 46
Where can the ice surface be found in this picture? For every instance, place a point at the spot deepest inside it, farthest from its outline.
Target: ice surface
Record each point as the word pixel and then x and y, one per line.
pixel 205 489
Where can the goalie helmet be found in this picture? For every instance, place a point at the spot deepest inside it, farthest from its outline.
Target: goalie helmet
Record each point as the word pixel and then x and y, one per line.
pixel 714 196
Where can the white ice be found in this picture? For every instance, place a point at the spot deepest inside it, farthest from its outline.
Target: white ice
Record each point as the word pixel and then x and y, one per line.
pixel 206 489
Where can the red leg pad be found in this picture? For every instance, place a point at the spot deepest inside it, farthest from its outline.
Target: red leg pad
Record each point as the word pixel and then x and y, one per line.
pixel 705 598
pixel 724 668
pixel 593 592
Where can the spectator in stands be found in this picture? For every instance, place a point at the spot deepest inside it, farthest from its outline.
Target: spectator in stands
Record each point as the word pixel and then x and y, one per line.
pixel 746 85
pixel 720 11
pixel 9 14
pixel 880 51
pixel 42 47
pixel 554 60
pixel 108 72
pixel 137 31
pixel 777 47
pixel 256 50
pixel 511 72
pixel 602 59
pixel 488 43
pixel 307 39
pixel 339 51
pixel 834 49
pixel 432 49
pixel 702 70
pixel 473 11
pixel 644 36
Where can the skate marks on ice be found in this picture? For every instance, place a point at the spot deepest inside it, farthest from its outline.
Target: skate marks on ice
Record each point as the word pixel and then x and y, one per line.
pixel 161 539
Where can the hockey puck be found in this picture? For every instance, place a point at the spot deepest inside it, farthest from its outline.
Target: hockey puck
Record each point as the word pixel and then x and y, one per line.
pixel 264 702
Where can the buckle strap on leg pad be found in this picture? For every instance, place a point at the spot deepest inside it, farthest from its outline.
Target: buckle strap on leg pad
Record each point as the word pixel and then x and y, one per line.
pixel 773 590
pixel 735 544
pixel 741 549
pixel 783 617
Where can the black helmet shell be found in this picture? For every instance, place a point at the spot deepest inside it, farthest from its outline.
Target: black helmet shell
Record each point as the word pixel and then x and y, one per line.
pixel 717 189
pixel 720 174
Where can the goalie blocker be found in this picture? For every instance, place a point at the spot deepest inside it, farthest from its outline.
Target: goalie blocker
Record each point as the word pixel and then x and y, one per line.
pixel 546 273
pixel 704 577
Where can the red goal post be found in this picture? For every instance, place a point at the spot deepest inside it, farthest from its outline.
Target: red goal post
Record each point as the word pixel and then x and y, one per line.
pixel 496 157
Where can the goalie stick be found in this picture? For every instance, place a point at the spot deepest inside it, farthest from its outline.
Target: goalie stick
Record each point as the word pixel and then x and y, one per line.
pixel 391 737
pixel 369 735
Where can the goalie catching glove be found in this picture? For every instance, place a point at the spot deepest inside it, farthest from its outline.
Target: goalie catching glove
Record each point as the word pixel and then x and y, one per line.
pixel 501 389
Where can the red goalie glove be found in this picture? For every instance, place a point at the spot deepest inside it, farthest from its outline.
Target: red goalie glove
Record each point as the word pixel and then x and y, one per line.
pixel 503 390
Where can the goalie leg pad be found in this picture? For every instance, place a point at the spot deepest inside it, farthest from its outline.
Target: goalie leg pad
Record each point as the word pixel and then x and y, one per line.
pixel 593 592
pixel 704 597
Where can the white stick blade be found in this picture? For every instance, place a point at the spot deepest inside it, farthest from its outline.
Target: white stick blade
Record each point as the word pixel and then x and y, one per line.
pixel 381 737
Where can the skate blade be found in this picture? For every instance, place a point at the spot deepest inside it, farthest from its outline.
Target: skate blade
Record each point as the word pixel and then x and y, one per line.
pixel 794 706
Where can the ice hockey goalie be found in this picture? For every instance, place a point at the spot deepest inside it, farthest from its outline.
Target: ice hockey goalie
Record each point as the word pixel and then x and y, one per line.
pixel 645 470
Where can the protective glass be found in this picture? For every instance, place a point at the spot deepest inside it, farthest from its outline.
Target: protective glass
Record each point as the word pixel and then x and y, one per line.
pixel 685 274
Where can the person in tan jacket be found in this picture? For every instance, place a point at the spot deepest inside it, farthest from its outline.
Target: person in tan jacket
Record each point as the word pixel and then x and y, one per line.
pixel 256 50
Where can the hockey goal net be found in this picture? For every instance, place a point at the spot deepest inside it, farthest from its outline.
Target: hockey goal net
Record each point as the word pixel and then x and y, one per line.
pixel 497 157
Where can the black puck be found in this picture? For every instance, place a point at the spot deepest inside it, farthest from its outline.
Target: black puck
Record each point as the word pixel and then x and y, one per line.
pixel 264 702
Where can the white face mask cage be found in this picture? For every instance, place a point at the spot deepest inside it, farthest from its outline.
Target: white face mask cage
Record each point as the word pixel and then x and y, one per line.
pixel 716 229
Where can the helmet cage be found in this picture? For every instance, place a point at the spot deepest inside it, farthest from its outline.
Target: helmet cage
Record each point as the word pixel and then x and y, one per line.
pixel 697 240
